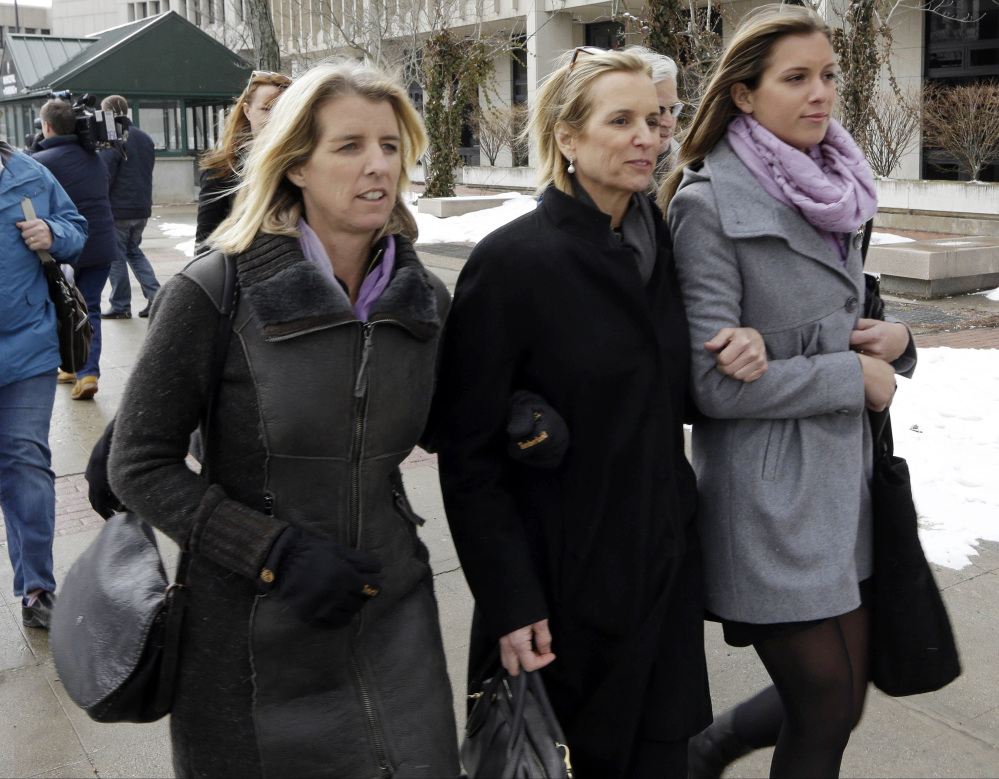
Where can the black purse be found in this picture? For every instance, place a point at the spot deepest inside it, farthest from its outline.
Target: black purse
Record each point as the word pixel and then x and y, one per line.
pixel 512 732
pixel 912 644
pixel 72 317
pixel 116 627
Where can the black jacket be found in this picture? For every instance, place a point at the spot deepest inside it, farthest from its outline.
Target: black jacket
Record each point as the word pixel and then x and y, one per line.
pixel 131 168
pixel 549 303
pixel 84 176
pixel 214 202
pixel 316 411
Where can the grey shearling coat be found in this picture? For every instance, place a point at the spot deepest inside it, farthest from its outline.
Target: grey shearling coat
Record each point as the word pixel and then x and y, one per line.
pixel 783 463
pixel 316 410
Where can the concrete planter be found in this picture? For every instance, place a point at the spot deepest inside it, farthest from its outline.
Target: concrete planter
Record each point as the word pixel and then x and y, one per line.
pixel 939 206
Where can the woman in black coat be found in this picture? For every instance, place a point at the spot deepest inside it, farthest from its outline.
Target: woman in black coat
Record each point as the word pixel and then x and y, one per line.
pixel 588 569
pixel 220 167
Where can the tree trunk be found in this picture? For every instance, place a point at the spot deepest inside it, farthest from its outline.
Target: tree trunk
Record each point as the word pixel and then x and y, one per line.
pixel 265 43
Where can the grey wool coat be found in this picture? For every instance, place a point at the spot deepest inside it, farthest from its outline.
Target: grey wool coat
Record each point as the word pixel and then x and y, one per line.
pixel 315 413
pixel 783 463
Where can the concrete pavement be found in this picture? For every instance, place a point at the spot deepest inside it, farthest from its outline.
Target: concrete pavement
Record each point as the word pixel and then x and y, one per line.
pixel 952 733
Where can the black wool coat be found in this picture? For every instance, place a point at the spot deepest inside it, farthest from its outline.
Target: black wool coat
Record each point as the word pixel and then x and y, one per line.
pixel 603 546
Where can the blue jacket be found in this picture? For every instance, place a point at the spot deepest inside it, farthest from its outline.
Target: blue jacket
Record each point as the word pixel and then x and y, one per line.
pixel 131 188
pixel 28 343
pixel 84 176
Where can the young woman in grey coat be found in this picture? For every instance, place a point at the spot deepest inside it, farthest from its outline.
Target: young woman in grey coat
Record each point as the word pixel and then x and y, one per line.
pixel 765 208
pixel 311 642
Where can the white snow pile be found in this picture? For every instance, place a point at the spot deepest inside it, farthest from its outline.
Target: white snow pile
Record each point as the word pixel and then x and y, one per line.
pixel 177 230
pixel 992 294
pixel 882 239
pixel 475 226
pixel 946 425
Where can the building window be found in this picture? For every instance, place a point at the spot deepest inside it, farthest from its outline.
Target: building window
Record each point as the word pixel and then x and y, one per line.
pixel 962 47
pixel 160 119
pixel 605 35
pixel 45 31
pixel 29 30
pixel 204 125
pixel 154 8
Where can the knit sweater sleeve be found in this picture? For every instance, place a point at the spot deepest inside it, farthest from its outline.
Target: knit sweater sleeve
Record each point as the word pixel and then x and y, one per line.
pixel 163 403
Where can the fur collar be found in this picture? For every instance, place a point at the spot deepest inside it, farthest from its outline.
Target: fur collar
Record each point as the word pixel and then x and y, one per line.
pixel 290 297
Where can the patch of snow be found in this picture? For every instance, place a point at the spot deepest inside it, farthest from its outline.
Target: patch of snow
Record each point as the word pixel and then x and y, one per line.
pixel 991 294
pixel 946 425
pixel 177 230
pixel 475 226
pixel 882 239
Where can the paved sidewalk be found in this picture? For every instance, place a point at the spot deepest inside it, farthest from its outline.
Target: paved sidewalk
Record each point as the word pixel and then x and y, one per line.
pixel 952 733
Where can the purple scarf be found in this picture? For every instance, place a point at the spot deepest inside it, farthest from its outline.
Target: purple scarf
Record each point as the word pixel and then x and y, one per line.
pixel 374 283
pixel 830 184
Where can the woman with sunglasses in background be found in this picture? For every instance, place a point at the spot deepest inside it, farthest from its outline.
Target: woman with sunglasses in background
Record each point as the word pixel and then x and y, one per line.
pixel 220 166
pixel 588 568
pixel 765 206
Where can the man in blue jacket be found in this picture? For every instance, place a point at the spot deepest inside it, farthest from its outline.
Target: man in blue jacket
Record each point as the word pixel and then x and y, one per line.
pixel 29 357
pixel 131 192
pixel 84 176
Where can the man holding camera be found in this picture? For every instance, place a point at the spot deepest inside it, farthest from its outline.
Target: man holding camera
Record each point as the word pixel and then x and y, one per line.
pixel 84 176
pixel 131 192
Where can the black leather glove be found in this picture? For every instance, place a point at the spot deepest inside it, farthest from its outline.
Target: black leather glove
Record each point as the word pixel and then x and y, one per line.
pixel 102 498
pixel 538 435
pixel 319 580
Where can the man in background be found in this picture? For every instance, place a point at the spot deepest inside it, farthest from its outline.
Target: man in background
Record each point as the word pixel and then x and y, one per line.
pixel 131 191
pixel 29 357
pixel 84 176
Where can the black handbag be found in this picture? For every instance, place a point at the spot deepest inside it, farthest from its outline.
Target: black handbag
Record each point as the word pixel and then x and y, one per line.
pixel 512 732
pixel 116 627
pixel 72 317
pixel 912 644
pixel 115 633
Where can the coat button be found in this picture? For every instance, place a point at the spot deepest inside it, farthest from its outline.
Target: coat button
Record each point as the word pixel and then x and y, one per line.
pixel 843 411
pixel 858 240
pixel 851 304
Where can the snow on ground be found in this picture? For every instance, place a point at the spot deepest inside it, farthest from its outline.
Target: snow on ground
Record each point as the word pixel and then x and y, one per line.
pixel 946 425
pixel 475 226
pixel 992 294
pixel 175 230
pixel 880 239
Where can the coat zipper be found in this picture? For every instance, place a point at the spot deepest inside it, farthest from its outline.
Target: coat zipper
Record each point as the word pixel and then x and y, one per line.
pixel 369 714
pixel 360 396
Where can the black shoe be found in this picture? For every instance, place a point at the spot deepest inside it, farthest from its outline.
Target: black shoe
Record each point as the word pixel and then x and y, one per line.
pixel 117 315
pixel 145 312
pixel 714 748
pixel 40 614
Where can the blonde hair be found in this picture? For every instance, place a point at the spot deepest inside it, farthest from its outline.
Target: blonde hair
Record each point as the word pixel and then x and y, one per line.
pixel 566 97
pixel 236 130
pixel 744 60
pixel 266 200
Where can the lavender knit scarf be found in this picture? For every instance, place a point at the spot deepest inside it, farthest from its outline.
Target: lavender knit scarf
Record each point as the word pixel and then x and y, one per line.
pixel 830 183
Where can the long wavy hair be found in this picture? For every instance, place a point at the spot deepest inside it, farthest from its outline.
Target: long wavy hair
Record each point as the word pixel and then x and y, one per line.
pixel 566 97
pixel 236 136
pixel 744 60
pixel 266 201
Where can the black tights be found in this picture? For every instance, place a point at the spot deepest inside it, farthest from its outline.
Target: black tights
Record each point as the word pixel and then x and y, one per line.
pixel 820 683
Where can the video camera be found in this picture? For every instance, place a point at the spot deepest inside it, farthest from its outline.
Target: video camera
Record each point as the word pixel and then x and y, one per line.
pixel 96 128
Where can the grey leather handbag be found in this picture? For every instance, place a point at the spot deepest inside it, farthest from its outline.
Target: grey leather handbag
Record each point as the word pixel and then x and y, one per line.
pixel 512 732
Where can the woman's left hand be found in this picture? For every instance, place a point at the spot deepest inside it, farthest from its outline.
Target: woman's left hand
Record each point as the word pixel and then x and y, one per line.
pixel 882 340
pixel 739 352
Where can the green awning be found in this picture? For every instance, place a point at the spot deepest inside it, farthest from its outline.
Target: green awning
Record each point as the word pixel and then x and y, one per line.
pixel 160 56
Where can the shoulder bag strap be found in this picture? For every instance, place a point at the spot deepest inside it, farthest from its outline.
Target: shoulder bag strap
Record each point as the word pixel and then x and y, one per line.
pixel 227 310
pixel 29 213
